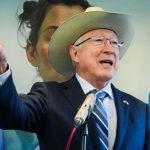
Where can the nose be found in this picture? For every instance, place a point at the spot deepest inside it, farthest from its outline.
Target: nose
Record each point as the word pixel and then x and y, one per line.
pixel 107 47
pixel 107 43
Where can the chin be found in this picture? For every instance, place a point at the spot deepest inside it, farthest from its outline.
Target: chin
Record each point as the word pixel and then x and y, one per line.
pixel 106 78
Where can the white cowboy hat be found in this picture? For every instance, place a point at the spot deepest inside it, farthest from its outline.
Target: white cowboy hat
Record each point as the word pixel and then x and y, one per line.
pixel 74 27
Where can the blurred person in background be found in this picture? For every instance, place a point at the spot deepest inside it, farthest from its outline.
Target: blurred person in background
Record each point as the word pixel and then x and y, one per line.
pixel 42 18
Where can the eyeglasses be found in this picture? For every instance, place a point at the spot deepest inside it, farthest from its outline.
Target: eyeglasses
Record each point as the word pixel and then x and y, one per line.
pixel 100 40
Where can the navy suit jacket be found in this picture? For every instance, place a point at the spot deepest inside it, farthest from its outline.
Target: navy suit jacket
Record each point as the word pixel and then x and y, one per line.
pixel 49 110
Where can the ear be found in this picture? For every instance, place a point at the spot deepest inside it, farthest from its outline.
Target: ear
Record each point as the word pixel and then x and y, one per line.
pixel 31 55
pixel 73 51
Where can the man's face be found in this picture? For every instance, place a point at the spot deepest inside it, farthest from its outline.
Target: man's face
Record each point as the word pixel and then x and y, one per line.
pixel 97 63
pixel 55 16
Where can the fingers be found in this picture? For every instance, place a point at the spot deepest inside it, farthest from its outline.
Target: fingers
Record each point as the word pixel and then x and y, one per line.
pixel 1 46
pixel 3 60
pixel 2 70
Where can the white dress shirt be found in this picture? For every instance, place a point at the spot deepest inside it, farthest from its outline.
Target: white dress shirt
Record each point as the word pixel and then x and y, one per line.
pixel 4 76
pixel 109 106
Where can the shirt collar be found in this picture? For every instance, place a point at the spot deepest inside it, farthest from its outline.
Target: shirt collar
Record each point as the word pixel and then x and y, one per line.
pixel 87 87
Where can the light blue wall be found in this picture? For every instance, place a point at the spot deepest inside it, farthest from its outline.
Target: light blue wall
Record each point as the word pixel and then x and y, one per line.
pixel 134 72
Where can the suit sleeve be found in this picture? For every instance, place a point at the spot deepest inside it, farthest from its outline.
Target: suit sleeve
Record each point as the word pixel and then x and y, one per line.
pixel 147 138
pixel 23 112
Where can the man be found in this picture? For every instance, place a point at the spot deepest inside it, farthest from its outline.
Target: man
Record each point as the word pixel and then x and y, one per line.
pixel 94 42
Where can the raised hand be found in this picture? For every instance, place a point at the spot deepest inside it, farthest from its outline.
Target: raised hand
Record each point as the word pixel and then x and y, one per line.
pixel 3 60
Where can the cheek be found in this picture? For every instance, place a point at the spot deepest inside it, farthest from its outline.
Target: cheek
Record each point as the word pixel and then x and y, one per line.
pixel 84 57
pixel 88 61
pixel 88 53
pixel 117 65
pixel 117 58
pixel 42 50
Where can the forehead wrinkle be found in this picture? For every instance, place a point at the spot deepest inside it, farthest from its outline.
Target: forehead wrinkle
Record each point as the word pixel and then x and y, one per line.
pixel 97 31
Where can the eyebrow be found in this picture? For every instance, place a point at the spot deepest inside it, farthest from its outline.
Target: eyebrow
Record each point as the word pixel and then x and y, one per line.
pixel 53 27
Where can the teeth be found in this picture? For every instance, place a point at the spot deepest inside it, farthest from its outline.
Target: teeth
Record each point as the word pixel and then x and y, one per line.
pixel 109 62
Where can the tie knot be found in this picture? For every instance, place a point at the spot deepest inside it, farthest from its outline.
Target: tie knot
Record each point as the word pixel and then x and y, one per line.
pixel 99 94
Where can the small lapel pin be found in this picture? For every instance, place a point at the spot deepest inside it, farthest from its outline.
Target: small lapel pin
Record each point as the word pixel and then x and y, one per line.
pixel 125 102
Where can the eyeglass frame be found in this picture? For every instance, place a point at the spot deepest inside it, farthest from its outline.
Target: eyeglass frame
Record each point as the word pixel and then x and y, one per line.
pixel 96 38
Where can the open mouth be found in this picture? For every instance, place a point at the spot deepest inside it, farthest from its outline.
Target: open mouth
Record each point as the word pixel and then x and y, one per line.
pixel 110 62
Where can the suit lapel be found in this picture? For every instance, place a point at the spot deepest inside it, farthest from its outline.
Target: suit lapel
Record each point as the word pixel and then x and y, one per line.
pixel 122 108
pixel 73 92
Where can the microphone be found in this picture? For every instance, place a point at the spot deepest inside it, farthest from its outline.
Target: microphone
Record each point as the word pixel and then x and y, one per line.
pixel 85 109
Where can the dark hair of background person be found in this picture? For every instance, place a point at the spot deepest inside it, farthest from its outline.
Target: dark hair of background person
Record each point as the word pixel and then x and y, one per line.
pixel 34 13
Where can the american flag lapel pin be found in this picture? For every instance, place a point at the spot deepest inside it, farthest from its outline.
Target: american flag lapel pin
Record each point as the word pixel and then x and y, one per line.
pixel 126 102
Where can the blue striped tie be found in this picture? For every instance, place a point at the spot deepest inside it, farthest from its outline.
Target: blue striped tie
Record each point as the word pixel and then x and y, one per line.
pixel 101 120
